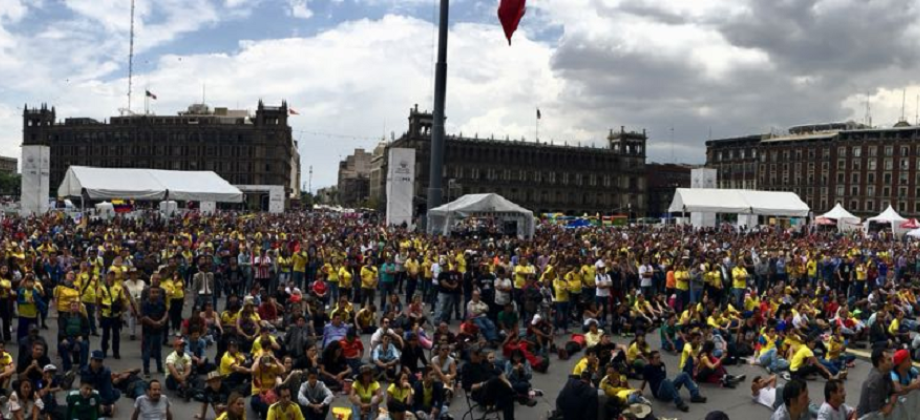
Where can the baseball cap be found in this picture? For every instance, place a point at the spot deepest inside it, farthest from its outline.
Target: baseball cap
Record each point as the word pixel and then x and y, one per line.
pixel 49 368
pixel 900 356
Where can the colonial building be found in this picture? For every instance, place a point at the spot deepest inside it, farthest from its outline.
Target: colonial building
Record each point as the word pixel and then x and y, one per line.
pixel 539 176
pixel 9 165
pixel 663 180
pixel 244 149
pixel 354 178
pixel 864 169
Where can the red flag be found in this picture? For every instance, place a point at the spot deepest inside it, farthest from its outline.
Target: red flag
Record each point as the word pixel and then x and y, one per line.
pixel 510 13
pixel 292 111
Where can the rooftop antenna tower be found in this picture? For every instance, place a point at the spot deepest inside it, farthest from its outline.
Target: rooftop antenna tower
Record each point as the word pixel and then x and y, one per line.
pixel 131 58
pixel 868 117
pixel 310 181
pixel 903 103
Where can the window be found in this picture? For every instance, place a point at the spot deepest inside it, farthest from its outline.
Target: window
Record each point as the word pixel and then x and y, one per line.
pixel 902 178
pixel 857 165
pixel 841 164
pixel 842 152
pixel 870 205
pixel 889 150
pixel 854 178
pixel 887 178
pixel 872 164
pixel 873 151
pixel 886 191
pixel 870 190
pixel 916 206
pixel 811 154
pixel 902 192
pixel 840 178
pixel 857 151
pixel 798 155
pixel 905 164
pixel 902 207
pixel 854 204
pixel 826 153
pixel 905 150
pixel 870 178
pixel 854 190
pixel 889 165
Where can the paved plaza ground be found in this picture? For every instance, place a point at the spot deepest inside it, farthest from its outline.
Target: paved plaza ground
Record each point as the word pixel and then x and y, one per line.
pixel 734 402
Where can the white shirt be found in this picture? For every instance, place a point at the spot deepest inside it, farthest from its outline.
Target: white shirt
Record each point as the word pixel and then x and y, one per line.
pixel 767 397
pixel 645 275
pixel 603 280
pixel 177 361
pixel 377 337
pixel 502 297
pixel 827 412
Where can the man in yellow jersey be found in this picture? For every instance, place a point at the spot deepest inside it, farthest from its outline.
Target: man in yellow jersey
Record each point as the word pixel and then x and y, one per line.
pixel 804 362
pixel 112 302
pixel 87 284
pixel 299 265
pixel 739 282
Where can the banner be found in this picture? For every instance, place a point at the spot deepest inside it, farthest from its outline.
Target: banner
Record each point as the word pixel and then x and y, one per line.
pixel 36 177
pixel 400 188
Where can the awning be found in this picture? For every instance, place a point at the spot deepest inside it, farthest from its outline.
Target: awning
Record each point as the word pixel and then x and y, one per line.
pixel 147 184
pixel 710 200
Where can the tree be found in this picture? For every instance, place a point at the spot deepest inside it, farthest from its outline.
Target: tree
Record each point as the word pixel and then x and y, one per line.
pixel 10 184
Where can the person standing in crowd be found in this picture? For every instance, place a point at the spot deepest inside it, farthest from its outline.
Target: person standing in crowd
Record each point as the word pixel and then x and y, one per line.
pixel 153 319
pixel 203 283
pixel 111 301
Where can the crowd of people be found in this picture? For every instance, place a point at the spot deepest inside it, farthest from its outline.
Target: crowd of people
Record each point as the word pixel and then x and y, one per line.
pixel 282 315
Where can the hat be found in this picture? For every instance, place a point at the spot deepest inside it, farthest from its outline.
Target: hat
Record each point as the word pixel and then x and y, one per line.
pixel 900 356
pixel 212 376
pixel 49 368
pixel 179 341
pixel 536 319
pixel 98 355
pixel 717 415
pixel 638 411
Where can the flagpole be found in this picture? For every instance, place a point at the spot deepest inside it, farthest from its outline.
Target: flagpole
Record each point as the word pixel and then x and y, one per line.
pixel 435 175
pixel 537 134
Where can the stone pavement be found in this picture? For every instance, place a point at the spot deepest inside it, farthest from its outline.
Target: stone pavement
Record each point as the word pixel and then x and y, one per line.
pixel 737 403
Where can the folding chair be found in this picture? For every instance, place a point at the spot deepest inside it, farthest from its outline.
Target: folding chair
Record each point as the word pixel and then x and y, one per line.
pixel 473 407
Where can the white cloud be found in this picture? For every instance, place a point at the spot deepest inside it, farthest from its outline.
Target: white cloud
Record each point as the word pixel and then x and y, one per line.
pixel 299 9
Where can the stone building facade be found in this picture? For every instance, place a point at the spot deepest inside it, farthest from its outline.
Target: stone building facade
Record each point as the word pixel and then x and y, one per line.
pixel 865 169
pixel 539 176
pixel 244 149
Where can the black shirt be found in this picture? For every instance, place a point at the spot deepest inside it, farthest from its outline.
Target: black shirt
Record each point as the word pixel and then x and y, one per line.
pixel 654 375
pixel 220 396
pixel 449 282
pixel 411 356
pixel 577 400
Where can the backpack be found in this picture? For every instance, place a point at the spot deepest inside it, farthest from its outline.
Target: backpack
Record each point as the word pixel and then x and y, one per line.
pixel 541 365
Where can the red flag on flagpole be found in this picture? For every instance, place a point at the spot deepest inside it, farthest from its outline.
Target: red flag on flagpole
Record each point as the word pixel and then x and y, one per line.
pixel 510 13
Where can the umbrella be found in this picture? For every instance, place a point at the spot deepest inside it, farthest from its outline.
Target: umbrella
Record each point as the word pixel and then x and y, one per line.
pixel 910 224
pixel 824 221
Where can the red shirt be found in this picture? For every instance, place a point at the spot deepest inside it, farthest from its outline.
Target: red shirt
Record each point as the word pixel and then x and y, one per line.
pixel 268 311
pixel 352 350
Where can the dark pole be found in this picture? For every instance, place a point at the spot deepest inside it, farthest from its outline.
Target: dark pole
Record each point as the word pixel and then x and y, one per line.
pixel 437 126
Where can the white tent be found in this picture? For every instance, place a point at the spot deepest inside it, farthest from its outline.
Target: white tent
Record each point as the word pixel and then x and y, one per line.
pixel 839 213
pixel 888 216
pixel 441 219
pixel 914 233
pixel 767 203
pixel 147 184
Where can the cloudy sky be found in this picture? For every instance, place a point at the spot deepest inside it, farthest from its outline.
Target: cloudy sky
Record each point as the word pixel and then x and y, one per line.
pixel 352 68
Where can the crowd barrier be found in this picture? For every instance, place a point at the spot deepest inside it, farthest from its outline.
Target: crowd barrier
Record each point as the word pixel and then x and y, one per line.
pixel 907 408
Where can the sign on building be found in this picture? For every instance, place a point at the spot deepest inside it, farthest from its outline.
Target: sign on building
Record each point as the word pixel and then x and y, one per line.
pixel 400 187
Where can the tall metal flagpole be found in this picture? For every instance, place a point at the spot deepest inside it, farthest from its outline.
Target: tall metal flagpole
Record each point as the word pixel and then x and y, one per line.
pixel 435 176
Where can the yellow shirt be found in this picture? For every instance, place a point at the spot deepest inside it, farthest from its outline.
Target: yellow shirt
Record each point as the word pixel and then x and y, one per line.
pixel 588 274
pixel 412 266
pixel 835 348
pixel 299 262
pixel 798 359
pixel 861 272
pixel 687 353
pixel 399 393
pixel 6 288
pixel 426 266
pixel 284 264
pixel 751 303
pixel 561 289
pixel 64 295
pixel 87 285
pixel 683 279
pixel 365 393
pixel 332 275
pixel 277 412
pixel 344 277
pixel 369 277
pixel 615 391
pixel 893 328
pixel 580 366
pixel 266 378
pixel 228 318
pixel 108 295
pixel 461 264
pixel 634 351
pixel 739 277
pixel 574 280
pixel 520 271
pixel 6 359
pixel 228 361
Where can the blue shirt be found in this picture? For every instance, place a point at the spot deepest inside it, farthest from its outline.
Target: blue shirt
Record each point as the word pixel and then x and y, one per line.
pixel 332 333
pixel 387 277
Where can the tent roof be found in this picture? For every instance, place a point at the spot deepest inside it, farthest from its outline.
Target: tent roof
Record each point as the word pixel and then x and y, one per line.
pixel 838 212
pixel 147 184
pixel 710 200
pixel 479 203
pixel 887 216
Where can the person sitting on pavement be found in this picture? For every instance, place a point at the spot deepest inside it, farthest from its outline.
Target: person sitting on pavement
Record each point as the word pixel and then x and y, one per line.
pixel 152 405
pixel 904 377
pixel 216 396
pixel 578 398
pixel 430 401
pixel 655 376
pixel 314 397
pixel 179 373
pixel 100 377
pixel 385 358
pixel 84 403
pixel 795 402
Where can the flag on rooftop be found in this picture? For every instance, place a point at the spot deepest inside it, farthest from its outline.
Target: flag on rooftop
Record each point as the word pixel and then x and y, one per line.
pixel 151 95
pixel 510 13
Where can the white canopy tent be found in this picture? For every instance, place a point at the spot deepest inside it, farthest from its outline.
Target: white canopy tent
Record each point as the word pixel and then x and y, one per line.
pixel 147 184
pixel 765 203
pixel 441 219
pixel 888 216
pixel 845 220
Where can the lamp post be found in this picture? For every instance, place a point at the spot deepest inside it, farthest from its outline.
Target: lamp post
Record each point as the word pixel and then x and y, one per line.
pixel 437 125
